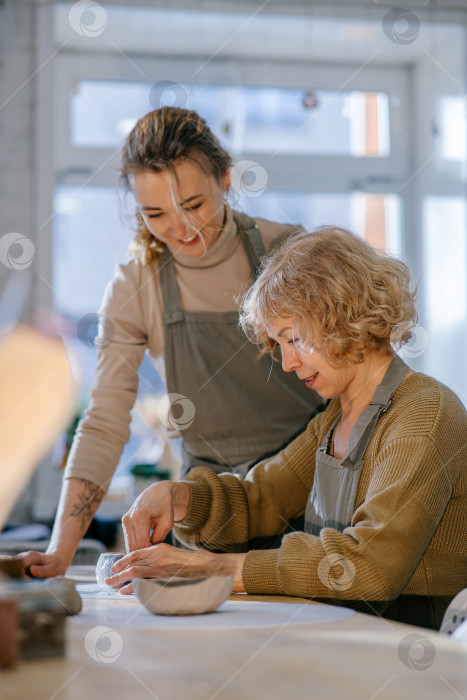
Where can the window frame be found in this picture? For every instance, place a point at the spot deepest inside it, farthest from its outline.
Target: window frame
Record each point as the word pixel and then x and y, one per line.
pixel 304 173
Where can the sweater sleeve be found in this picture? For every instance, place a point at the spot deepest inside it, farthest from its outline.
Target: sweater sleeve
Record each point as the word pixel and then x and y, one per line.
pixel 227 512
pixel 373 559
pixel 104 430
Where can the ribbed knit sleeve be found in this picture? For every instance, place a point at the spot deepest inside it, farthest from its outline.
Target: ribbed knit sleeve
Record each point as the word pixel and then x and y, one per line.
pixel 227 512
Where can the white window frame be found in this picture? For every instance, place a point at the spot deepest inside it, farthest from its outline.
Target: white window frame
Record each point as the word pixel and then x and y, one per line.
pixel 304 173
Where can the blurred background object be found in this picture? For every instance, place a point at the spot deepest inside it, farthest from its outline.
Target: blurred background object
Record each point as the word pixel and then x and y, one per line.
pixel 36 393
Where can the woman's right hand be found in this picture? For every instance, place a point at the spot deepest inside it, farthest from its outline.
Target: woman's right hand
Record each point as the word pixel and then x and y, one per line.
pixel 156 509
pixel 42 565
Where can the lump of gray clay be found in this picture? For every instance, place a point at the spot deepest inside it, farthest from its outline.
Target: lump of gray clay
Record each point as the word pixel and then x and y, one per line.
pixel 183 596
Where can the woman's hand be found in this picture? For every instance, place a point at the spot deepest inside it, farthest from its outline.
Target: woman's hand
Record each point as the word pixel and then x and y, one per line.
pixel 43 565
pixel 156 509
pixel 164 561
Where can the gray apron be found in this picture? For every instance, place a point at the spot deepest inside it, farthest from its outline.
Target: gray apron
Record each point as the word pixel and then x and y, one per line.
pixel 244 407
pixel 332 498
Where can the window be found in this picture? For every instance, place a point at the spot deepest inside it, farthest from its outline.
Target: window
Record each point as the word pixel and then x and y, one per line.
pixel 377 217
pixel 246 118
pixel 91 235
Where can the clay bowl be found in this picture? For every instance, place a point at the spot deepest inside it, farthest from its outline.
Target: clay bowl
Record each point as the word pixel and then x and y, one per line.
pixel 183 596
pixel 103 566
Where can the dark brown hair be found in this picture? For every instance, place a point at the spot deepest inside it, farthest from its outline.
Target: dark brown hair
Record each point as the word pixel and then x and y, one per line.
pixel 157 142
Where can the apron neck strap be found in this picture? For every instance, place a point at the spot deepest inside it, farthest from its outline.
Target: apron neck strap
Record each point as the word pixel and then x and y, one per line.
pixel 363 428
pixel 250 236
pixel 254 248
pixel 395 373
pixel 169 288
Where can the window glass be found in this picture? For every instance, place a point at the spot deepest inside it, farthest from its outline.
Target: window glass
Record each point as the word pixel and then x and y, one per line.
pixel 453 127
pixel 445 261
pixel 376 217
pixel 246 119
pixel 91 232
pixel 445 310
pixel 93 226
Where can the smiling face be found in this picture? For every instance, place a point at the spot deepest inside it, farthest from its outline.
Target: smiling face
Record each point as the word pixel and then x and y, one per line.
pixel 184 209
pixel 310 366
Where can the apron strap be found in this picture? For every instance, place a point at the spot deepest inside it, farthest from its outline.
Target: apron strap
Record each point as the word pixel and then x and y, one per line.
pixel 395 373
pixel 170 293
pixel 250 236
pixel 332 498
pixel 380 402
pixel 252 242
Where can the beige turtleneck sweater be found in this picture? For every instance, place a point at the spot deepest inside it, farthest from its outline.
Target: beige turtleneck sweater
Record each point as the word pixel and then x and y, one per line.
pixel 134 309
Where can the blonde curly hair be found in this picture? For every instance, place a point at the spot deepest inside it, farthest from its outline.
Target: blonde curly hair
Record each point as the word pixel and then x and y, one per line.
pixel 157 141
pixel 345 297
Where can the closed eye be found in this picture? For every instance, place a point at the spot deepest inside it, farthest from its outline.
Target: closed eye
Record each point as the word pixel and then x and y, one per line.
pixel 193 208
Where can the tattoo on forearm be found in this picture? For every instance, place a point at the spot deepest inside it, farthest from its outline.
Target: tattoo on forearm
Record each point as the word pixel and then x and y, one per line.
pixel 87 502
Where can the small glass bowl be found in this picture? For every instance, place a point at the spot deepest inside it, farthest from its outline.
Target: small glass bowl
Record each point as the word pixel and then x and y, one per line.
pixel 103 566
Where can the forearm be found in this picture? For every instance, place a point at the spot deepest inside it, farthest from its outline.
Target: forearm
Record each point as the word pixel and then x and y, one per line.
pixel 210 564
pixel 215 519
pixel 226 513
pixel 181 500
pixel 164 561
pixel 232 565
pixel 79 501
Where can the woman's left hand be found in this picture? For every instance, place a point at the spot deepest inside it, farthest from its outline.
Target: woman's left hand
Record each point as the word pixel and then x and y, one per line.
pixel 164 561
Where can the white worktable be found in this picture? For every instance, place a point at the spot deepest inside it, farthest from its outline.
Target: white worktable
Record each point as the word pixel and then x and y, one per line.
pixel 360 657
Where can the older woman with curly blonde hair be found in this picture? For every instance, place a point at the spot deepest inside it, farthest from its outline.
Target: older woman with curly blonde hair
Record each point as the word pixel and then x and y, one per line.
pixel 379 477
